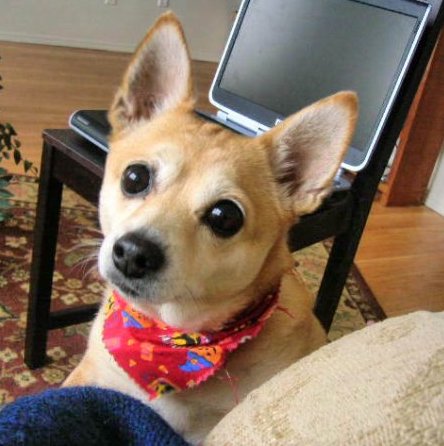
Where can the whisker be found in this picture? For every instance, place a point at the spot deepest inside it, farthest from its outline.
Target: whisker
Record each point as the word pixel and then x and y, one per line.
pixel 92 271
pixel 89 253
pixel 85 264
pixel 87 243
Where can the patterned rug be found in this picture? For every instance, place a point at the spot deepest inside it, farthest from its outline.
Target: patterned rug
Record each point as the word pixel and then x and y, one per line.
pixel 76 282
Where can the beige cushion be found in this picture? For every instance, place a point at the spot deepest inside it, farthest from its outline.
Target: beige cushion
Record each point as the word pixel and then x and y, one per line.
pixel 382 385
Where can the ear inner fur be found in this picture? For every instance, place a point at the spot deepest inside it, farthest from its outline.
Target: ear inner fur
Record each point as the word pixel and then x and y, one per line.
pixel 307 149
pixel 158 77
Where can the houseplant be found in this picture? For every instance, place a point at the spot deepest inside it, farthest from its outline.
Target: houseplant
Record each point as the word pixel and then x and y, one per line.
pixel 9 149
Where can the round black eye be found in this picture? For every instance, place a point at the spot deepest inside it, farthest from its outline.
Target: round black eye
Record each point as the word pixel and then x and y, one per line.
pixel 224 218
pixel 136 180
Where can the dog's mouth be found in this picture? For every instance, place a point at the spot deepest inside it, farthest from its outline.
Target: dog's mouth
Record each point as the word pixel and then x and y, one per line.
pixel 127 290
pixel 139 289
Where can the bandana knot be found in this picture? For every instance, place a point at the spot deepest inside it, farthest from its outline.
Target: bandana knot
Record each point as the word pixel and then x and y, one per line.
pixel 162 359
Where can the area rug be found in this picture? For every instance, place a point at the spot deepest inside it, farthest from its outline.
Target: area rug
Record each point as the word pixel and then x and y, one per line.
pixel 76 282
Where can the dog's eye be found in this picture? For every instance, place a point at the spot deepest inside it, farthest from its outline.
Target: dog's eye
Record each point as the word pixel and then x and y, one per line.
pixel 136 180
pixel 224 218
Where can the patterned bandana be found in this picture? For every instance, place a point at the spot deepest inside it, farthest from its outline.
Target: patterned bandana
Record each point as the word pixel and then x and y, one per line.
pixel 162 359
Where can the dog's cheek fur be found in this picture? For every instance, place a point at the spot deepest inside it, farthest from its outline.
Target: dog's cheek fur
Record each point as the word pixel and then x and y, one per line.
pixel 105 258
pixel 107 197
pixel 225 271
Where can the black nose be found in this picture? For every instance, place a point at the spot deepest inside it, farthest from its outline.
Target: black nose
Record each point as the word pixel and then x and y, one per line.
pixel 136 256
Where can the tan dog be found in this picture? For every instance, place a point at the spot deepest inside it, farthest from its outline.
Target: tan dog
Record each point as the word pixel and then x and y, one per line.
pixel 195 220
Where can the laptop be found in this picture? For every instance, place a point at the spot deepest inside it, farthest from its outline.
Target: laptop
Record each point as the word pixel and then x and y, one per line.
pixel 93 125
pixel 283 55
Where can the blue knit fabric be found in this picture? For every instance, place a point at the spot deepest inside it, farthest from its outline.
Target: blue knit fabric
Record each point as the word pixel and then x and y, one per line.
pixel 83 416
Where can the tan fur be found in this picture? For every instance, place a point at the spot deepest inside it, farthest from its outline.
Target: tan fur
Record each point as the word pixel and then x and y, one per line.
pixel 274 178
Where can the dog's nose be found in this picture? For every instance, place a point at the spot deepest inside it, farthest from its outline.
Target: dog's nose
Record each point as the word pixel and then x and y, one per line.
pixel 136 256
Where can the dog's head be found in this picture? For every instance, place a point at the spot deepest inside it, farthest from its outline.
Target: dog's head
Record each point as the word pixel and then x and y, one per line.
pixel 195 217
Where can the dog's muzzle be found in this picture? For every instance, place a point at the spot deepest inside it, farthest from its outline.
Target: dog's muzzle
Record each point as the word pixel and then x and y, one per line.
pixel 136 257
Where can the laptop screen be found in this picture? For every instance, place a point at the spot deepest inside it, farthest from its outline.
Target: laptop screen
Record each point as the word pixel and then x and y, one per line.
pixel 285 54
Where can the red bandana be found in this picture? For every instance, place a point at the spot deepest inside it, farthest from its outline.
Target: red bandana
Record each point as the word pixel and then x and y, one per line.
pixel 163 359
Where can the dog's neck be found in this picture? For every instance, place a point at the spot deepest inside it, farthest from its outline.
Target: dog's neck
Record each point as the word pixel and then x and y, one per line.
pixel 210 316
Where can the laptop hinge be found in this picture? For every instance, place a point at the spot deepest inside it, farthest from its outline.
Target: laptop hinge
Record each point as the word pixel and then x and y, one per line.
pixel 241 121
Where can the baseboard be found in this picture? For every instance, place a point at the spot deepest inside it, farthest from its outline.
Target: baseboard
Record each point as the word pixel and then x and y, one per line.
pixel 86 43
pixel 60 41
pixel 435 204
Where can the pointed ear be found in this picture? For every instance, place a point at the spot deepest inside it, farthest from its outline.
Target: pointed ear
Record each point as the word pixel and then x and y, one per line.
pixel 307 149
pixel 157 79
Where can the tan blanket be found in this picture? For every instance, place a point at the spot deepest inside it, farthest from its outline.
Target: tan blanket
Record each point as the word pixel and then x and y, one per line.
pixel 382 385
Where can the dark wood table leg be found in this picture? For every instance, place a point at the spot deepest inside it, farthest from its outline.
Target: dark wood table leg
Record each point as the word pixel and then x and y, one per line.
pixel 43 260
pixel 335 275
pixel 346 244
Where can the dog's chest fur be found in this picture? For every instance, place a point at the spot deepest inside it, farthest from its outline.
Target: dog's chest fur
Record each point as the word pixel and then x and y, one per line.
pixel 286 337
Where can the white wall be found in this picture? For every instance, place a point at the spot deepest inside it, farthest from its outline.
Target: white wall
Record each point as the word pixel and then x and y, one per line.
pixel 92 24
pixel 435 198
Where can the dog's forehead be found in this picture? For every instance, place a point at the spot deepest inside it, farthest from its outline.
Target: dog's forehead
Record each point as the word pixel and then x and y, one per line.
pixel 199 161
pixel 183 143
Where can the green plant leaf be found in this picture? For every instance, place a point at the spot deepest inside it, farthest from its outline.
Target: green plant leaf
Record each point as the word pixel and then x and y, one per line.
pixel 27 165
pixel 10 145
pixel 17 156
pixel 6 141
pixel 10 129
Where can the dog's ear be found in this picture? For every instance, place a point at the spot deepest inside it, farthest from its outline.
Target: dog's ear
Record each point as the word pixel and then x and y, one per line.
pixel 307 148
pixel 157 79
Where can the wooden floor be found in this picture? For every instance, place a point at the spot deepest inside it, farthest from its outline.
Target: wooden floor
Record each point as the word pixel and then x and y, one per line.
pixel 401 254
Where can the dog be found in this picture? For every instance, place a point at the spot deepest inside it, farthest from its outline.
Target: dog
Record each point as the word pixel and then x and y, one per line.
pixel 195 220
